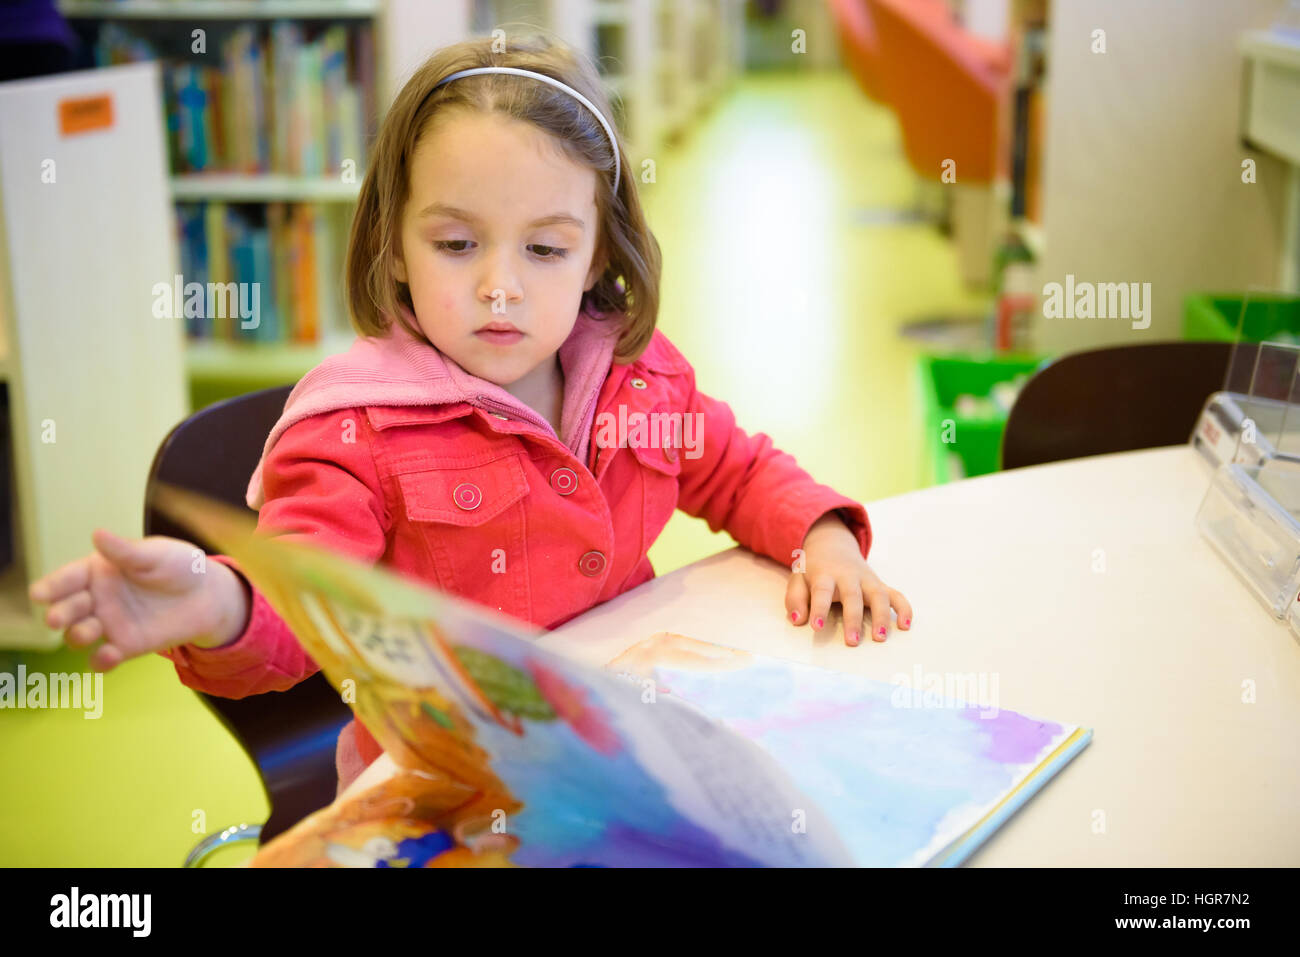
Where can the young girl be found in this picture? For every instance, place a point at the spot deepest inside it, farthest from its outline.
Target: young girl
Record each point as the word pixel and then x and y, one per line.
pixel 493 428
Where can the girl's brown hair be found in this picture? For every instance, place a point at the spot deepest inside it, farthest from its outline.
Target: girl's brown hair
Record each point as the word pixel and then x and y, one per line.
pixel 627 290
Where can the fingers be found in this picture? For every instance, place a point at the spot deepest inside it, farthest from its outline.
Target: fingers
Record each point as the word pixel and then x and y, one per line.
pixel 120 551
pixel 878 598
pixel 903 607
pixel 71 578
pixel 810 604
pixel 84 633
pixel 67 612
pixel 796 599
pixel 851 608
pixel 106 657
pixel 819 605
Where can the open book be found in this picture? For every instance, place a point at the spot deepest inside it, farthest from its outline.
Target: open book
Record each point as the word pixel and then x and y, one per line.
pixel 683 753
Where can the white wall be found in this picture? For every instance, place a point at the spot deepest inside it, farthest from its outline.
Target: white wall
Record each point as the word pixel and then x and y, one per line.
pixel 1142 175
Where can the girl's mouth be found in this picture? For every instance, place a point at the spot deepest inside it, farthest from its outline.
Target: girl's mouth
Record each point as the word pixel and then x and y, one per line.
pixel 500 337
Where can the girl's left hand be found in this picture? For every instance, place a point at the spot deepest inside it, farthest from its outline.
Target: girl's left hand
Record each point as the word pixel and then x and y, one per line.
pixel 834 570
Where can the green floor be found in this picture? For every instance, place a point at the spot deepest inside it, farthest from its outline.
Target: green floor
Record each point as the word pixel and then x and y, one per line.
pixel 787 307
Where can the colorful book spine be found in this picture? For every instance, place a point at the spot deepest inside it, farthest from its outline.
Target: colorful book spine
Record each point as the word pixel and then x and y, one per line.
pixel 329 286
pixel 307 316
pixel 218 263
pixel 333 79
pixel 309 103
pixel 365 77
pixel 281 268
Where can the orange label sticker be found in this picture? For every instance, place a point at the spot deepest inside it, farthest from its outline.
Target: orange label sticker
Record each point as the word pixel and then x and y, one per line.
pixel 85 113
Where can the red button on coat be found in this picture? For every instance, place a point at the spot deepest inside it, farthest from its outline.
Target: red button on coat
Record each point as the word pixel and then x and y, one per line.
pixel 591 564
pixel 670 453
pixel 467 496
pixel 564 481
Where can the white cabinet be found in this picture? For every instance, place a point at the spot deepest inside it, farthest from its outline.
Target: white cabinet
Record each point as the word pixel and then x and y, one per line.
pixel 95 380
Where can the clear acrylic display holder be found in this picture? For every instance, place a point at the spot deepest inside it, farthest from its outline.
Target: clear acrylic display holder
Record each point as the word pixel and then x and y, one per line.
pixel 1251 433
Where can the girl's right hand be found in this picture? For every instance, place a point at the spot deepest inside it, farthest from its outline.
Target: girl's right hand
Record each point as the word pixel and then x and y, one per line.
pixel 141 596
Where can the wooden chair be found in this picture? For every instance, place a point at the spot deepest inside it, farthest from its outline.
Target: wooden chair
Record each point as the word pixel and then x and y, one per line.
pixel 1114 400
pixel 289 735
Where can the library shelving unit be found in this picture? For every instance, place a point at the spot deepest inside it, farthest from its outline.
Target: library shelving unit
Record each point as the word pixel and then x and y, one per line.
pixel 93 377
pixel 216 366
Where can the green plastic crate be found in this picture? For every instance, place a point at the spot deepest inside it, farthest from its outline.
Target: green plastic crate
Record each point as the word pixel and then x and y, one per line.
pixel 1214 316
pixel 977 439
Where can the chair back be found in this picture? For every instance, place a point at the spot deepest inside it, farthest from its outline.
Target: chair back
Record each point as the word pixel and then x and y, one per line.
pixel 290 735
pixel 1113 400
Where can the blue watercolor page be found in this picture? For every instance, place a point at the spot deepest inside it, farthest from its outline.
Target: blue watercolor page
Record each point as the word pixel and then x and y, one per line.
pixel 900 776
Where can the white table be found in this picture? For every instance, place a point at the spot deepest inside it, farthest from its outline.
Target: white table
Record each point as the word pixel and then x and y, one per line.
pixel 1084 588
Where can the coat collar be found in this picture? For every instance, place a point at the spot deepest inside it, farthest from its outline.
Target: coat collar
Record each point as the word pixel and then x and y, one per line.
pixel 400 370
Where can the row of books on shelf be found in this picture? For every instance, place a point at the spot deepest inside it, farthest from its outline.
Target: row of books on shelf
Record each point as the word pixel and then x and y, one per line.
pixel 268 273
pixel 265 100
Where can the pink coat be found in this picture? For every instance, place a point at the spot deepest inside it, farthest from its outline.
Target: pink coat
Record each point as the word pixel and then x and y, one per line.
pixel 394 454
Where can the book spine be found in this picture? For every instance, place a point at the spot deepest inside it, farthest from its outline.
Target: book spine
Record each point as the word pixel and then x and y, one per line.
pixel 334 74
pixel 261 149
pixel 350 126
pixel 327 271
pixel 280 269
pixel 268 318
pixel 241 262
pixel 366 83
pixel 309 65
pixel 228 95
pixel 218 263
pixel 308 307
pixel 214 146
pixel 247 131
pixel 282 95
pixel 312 259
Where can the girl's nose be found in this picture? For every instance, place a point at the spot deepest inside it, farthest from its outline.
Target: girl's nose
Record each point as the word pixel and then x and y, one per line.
pixel 500 280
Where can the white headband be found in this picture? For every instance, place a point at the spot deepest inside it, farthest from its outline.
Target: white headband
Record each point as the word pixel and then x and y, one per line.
pixel 513 71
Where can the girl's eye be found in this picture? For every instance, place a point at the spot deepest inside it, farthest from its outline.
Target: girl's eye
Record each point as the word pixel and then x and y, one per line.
pixel 550 252
pixel 458 246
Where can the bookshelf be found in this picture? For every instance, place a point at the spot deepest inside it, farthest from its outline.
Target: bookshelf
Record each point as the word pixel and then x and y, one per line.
pixel 262 121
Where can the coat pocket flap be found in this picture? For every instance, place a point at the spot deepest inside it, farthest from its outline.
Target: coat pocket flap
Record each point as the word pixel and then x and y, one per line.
pixel 463 495
pixel 667 460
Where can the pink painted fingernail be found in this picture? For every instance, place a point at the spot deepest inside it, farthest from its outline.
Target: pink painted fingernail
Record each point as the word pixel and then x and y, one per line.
pixel 794 616
pixel 853 639
pixel 882 632
pixel 820 622
pixel 907 623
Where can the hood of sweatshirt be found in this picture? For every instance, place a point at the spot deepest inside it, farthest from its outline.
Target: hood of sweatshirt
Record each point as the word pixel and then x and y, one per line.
pixel 399 369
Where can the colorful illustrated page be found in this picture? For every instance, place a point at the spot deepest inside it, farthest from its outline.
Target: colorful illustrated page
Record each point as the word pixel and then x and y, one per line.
pixel 509 754
pixel 904 779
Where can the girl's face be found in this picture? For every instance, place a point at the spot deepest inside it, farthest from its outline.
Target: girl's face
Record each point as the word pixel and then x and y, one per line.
pixel 499 231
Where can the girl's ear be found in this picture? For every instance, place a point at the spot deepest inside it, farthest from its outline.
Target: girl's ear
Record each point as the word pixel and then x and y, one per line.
pixel 399 268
